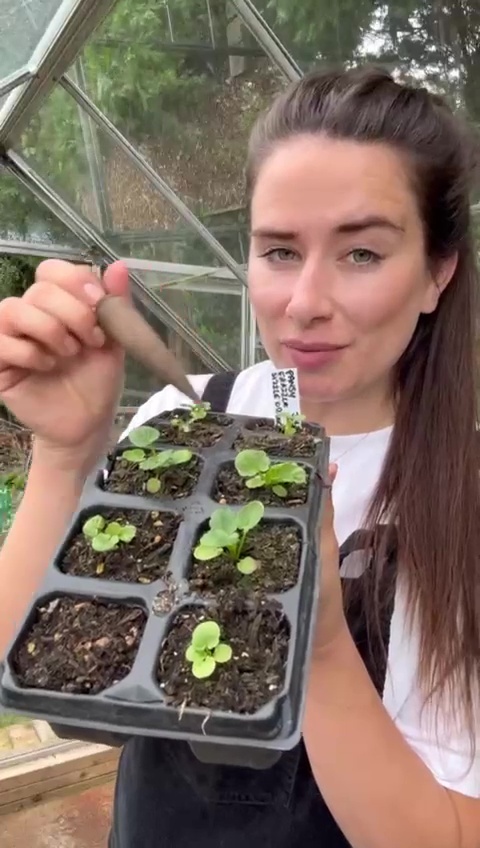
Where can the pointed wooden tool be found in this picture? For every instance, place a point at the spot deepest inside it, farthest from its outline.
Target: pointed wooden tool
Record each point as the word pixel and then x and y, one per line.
pixel 121 322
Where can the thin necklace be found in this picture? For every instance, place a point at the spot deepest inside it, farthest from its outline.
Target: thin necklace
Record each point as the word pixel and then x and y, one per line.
pixel 352 447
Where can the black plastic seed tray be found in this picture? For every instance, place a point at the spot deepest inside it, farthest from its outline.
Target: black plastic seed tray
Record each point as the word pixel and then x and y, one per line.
pixel 136 705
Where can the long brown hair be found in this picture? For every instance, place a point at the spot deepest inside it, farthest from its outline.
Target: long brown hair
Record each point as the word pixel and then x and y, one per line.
pixel 430 487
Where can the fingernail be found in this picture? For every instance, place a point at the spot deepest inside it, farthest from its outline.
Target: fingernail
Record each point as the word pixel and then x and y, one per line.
pixel 94 293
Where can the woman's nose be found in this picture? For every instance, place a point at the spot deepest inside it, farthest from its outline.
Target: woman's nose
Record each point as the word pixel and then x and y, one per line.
pixel 310 298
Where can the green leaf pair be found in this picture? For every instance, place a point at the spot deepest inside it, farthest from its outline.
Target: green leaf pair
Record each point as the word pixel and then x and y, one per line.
pixel 206 650
pixel 105 536
pixel 260 472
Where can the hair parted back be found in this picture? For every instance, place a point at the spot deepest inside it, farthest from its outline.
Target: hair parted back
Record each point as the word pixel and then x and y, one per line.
pixel 430 485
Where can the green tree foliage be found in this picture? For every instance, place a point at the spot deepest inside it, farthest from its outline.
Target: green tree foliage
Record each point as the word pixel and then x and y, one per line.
pixel 17 273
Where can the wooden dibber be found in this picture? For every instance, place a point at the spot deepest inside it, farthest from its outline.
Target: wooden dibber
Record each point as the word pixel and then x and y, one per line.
pixel 121 322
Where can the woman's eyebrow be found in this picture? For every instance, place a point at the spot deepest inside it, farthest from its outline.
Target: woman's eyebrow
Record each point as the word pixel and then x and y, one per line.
pixel 369 222
pixel 354 226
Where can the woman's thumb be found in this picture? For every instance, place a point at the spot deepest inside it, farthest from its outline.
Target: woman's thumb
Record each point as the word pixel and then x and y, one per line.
pixel 116 280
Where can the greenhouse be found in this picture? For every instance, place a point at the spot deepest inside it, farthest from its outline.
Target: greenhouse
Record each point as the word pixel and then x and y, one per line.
pixel 123 128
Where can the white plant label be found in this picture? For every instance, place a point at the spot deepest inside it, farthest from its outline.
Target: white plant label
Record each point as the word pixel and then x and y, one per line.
pixel 286 395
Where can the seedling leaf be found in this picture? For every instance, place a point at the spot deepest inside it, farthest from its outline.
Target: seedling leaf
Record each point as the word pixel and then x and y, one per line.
pixel 203 667
pixel 249 462
pixel 128 533
pixel 153 485
pixel 224 519
pixel 247 565
pixel 206 635
pixel 179 457
pixel 93 526
pixel 143 437
pixel 222 653
pixel 204 553
pixel 255 482
pixel 135 455
pixel 250 515
pixel 157 460
pixel 279 491
pixel 104 542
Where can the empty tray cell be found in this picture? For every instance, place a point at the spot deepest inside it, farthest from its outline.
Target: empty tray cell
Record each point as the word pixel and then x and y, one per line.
pixel 250 672
pixel 78 646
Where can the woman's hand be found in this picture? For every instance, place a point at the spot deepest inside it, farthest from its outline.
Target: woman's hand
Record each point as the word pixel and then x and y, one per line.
pixel 58 374
pixel 331 622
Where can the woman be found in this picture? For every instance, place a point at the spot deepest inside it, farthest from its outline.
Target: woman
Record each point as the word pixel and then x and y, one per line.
pixel 362 274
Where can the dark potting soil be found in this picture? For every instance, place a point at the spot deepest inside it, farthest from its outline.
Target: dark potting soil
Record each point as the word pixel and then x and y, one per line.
pixel 178 481
pixel 230 488
pixel 262 434
pixel 79 646
pixel 202 434
pixel 145 559
pixel 276 549
pixel 258 633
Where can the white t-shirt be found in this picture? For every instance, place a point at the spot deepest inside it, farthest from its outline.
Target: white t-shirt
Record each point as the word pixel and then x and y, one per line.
pixel 443 744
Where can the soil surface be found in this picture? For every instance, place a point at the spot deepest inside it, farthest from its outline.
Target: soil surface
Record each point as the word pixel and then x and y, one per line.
pixel 230 488
pixel 145 559
pixel 258 633
pixel 203 434
pixel 262 434
pixel 178 481
pixel 79 646
pixel 276 549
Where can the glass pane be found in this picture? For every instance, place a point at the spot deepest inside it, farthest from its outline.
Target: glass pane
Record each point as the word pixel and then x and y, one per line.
pixel 22 25
pixel 187 103
pixel 207 303
pixel 24 218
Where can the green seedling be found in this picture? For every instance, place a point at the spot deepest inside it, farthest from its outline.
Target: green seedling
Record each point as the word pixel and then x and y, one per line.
pixel 107 536
pixel 227 533
pixel 205 650
pixel 147 458
pixel 261 473
pixel 197 412
pixel 290 423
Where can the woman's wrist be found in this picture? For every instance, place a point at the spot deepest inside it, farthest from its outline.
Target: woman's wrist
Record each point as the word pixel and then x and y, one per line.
pixel 69 466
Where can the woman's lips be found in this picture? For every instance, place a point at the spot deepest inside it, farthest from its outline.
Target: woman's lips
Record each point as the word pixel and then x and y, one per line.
pixel 309 358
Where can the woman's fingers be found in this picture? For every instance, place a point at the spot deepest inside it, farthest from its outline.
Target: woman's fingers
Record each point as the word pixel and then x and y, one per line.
pixel 328 540
pixel 22 353
pixel 67 319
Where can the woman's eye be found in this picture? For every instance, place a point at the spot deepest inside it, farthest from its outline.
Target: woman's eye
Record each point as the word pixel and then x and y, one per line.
pixel 279 254
pixel 362 256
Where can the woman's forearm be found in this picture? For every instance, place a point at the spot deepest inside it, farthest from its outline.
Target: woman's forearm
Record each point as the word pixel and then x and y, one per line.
pixel 48 503
pixel 377 788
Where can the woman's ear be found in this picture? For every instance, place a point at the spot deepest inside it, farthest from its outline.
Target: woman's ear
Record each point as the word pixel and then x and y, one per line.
pixel 440 277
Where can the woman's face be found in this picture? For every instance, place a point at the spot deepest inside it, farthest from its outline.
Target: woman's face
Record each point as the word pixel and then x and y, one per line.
pixel 338 274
